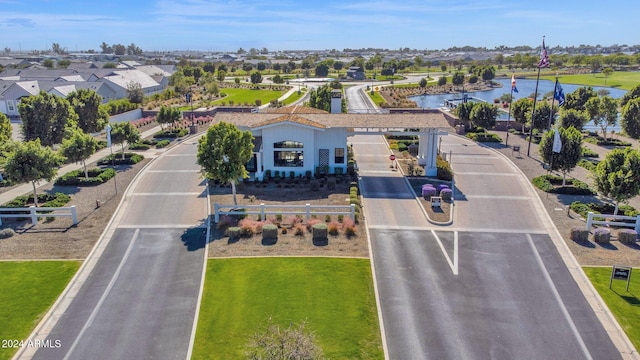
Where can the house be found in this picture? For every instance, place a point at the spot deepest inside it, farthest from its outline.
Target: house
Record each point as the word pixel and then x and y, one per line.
pixel 12 91
pixel 355 73
pixel 299 142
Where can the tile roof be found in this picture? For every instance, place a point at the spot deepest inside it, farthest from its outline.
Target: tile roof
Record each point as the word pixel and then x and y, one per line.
pixel 427 119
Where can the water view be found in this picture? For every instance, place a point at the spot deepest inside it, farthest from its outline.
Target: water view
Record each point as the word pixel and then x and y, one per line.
pixel 526 88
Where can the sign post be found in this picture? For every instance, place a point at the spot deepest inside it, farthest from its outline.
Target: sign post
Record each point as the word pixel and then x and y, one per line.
pixel 392 158
pixel 620 273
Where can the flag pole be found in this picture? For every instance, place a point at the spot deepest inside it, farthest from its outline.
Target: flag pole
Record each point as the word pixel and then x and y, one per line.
pixel 553 98
pixel 533 112
pixel 544 62
pixel 506 141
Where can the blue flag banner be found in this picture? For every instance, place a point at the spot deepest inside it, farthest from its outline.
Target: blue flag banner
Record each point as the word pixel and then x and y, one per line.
pixel 108 135
pixel 557 142
pixel 513 83
pixel 558 93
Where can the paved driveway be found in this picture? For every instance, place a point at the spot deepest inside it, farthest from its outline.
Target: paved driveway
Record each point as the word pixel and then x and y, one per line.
pixel 491 286
pixel 140 298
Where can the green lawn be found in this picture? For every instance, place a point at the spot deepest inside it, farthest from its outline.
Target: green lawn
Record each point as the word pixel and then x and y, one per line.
pixel 294 97
pixel 27 290
pixel 620 79
pixel 334 296
pixel 241 96
pixel 624 305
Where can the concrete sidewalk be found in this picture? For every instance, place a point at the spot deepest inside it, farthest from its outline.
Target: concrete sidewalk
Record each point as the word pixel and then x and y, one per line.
pixel 26 188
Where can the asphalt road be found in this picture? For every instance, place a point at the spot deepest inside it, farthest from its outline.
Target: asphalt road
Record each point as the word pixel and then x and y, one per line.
pixel 490 286
pixel 140 299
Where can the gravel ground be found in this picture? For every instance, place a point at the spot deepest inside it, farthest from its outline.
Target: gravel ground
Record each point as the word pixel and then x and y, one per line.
pixel 59 239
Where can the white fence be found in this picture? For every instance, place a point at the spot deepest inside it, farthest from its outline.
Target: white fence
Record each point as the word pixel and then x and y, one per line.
pixel 591 221
pixel 263 210
pixel 126 116
pixel 35 212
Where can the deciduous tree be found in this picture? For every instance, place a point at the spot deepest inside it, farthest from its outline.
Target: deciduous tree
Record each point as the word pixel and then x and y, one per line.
pixel 92 117
pixel 223 153
pixel 572 117
pixel 484 115
pixel 578 98
pixel 630 118
pixel 570 153
pixel 135 93
pixel 168 115
pixel 79 147
pixel 46 117
pixel 603 111
pixel 32 162
pixel 256 78
pixel 6 131
pixel 124 132
pixel 617 176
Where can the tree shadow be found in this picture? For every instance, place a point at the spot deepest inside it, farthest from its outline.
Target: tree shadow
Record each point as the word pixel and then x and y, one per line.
pixel 195 238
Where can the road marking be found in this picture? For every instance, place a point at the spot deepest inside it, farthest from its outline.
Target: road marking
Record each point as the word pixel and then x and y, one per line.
pixel 499 231
pixel 163 226
pixel 392 195
pixel 173 171
pixel 397 227
pixel 556 294
pixel 176 155
pixel 452 264
pixel 378 172
pixel 485 174
pixel 106 292
pixel 168 194
pixel 496 197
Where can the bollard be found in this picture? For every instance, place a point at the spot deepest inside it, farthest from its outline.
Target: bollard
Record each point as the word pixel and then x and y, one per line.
pixel 97 204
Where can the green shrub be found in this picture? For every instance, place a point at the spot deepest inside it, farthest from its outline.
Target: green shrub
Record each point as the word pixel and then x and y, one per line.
pixel 233 232
pixel 269 231
pixel 129 159
pixel 171 133
pixel 552 184
pixel 97 176
pixel 586 152
pixel 627 236
pixel 319 231
pixel 139 146
pixel 587 164
pixel 444 171
pixel 162 143
pixel 315 185
pixel 6 233
pixel 482 137
pixel 331 183
pixel 580 208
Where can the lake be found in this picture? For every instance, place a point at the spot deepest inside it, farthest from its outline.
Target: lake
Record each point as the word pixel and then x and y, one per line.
pixel 526 88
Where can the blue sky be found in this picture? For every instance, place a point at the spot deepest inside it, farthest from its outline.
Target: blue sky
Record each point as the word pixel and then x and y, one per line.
pixel 216 25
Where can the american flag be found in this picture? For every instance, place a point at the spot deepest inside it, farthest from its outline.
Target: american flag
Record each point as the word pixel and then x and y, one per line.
pixel 544 57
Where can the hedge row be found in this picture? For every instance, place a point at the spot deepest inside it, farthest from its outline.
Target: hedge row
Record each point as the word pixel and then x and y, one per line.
pixel 97 176
pixel 552 184
pixel 44 200
pixel 129 159
pixel 171 133
pixel 482 137
pixel 602 208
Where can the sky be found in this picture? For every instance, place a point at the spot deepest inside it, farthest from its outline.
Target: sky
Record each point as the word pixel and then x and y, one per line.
pixel 217 25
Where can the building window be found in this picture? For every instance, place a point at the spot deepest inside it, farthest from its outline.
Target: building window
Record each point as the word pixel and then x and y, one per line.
pixel 10 105
pixel 288 144
pixel 339 158
pixel 293 158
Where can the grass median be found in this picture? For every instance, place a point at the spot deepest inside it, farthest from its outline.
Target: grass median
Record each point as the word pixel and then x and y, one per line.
pixel 334 296
pixel 625 305
pixel 27 291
